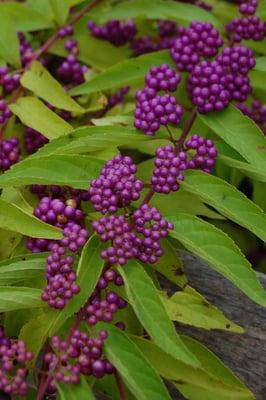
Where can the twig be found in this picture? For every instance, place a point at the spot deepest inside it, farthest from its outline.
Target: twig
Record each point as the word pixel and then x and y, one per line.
pixel 120 385
pixel 186 130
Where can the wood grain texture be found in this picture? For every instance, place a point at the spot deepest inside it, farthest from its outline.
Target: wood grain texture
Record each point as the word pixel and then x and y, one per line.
pixel 245 354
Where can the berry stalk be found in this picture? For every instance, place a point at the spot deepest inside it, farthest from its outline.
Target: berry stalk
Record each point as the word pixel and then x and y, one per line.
pixel 186 130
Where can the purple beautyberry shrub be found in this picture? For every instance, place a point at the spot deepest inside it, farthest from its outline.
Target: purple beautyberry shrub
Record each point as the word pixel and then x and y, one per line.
pixel 65 31
pixel 249 7
pixel 116 186
pixel 118 96
pixel 71 71
pixel 247 28
pixel 8 81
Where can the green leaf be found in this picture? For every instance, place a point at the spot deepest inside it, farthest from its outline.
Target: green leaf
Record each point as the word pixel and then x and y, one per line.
pixel 14 219
pixel 8 242
pixel 240 132
pixel 213 380
pixel 19 298
pixel 151 312
pixel 89 271
pixel 33 113
pixel 138 374
pixel 36 331
pixel 18 269
pixel 160 9
pixel 215 247
pixel 80 391
pixel 24 18
pixel 42 84
pixel 55 169
pixel 227 200
pixel 190 307
pixel 122 74
pixel 92 138
pixel 260 64
pixel 60 10
pixel 9 44
pixel 170 264
pixel 253 172
pixel 89 52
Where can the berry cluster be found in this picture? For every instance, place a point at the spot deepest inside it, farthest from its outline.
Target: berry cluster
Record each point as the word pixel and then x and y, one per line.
pixel 116 32
pixel 61 285
pixel 8 81
pixel 9 153
pixel 162 78
pixel 13 370
pixel 248 26
pixel 5 113
pixel 153 111
pixel 116 186
pixel 33 140
pixel 205 156
pixel 150 224
pixel 65 31
pixel 256 111
pixel 124 242
pixel 103 310
pixel 168 169
pixel 58 212
pixel 248 8
pixel 60 192
pixel 25 48
pixel 201 39
pixel 81 354
pixel 71 71
pixel 117 97
pixel 213 84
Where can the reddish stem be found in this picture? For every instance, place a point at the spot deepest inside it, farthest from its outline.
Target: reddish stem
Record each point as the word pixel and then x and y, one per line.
pixel 148 197
pixel 186 131
pixel 120 385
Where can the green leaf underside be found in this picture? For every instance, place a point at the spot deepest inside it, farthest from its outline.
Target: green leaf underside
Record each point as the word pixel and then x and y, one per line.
pixel 19 298
pixel 54 170
pixel 136 371
pixel 89 270
pixel 227 200
pixel 123 73
pixel 91 138
pixel 18 269
pixel 60 10
pixel 44 85
pixel 240 132
pixel 219 250
pixel 15 219
pixel 80 391
pixel 33 113
pixel 151 312
pixel 189 307
pixel 213 380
